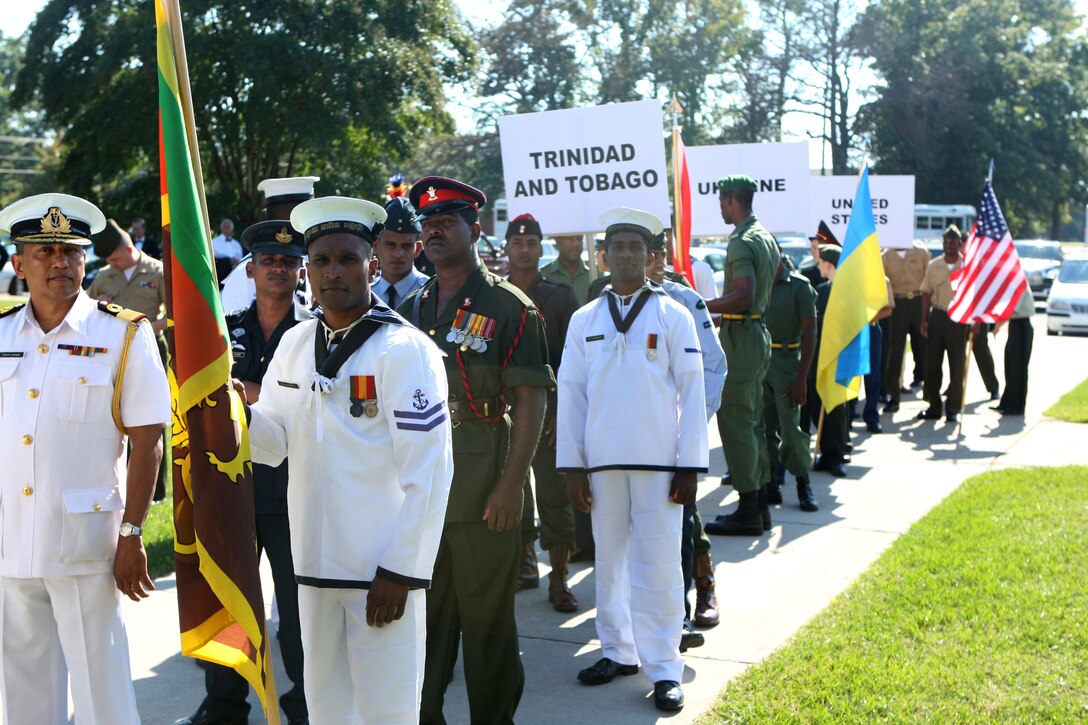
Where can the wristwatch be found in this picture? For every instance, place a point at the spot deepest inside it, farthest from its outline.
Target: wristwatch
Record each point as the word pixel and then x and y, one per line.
pixel 128 529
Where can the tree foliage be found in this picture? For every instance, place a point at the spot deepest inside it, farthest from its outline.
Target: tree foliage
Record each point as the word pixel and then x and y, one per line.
pixel 341 89
pixel 963 82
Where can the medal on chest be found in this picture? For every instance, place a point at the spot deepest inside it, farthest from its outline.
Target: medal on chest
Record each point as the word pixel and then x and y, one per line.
pixel 651 347
pixel 471 331
pixel 364 397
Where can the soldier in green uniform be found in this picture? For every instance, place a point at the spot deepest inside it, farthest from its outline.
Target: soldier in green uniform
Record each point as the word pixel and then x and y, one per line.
pixel 791 322
pixel 494 342
pixel 750 263
pixel 569 268
pixel 556 303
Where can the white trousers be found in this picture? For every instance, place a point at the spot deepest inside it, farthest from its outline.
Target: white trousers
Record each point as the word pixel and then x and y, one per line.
pixel 356 673
pixel 640 587
pixel 59 626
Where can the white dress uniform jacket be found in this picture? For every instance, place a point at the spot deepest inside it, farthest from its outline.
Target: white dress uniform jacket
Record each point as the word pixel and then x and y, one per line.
pixel 714 365
pixel 631 382
pixel 61 490
pixel 371 495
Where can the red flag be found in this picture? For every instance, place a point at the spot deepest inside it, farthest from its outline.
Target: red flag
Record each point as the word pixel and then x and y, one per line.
pixel 992 280
pixel 681 260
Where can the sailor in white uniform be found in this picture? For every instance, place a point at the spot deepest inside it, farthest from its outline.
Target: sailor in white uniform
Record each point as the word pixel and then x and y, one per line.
pixel 356 400
pixel 70 514
pixel 632 437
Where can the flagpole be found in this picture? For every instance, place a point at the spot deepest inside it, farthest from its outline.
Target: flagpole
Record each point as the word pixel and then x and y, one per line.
pixel 966 369
pixel 819 428
pixel 679 264
pixel 181 64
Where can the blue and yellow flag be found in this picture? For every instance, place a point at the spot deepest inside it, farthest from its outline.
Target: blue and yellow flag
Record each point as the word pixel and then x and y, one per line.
pixel 857 294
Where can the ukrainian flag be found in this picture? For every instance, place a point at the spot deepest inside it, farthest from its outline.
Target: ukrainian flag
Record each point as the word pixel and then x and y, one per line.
pixel 858 293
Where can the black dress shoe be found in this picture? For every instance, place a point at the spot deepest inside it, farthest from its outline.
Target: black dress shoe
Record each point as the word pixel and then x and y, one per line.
pixel 929 415
pixel 998 408
pixel 917 383
pixel 951 417
pixel 727 479
pixel 203 717
pixel 1007 411
pixel 892 407
pixel 904 389
pixel 605 670
pixel 774 492
pixel 668 695
pixel 874 427
pixel 690 639
pixel 837 470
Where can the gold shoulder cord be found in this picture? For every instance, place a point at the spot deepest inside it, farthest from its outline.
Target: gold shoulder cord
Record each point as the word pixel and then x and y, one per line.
pixel 134 321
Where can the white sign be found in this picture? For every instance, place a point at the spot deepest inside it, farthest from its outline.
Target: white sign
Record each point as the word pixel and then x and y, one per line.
pixel 780 169
pixel 832 200
pixel 568 167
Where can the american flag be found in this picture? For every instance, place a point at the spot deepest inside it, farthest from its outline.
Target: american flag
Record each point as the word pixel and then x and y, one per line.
pixel 991 280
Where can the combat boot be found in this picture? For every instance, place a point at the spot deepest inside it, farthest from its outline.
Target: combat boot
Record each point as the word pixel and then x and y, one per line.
pixel 764 507
pixel 805 495
pixel 559 594
pixel 774 491
pixel 706 603
pixel 528 574
pixel 745 521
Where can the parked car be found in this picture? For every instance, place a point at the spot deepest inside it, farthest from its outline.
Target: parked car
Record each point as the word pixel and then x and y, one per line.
pixel 1067 304
pixel 1042 261
pixel 548 252
pixel 9 283
pixel 798 248
pixel 492 254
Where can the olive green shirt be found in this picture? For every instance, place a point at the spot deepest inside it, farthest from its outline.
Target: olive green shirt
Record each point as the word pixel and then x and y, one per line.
pixel 553 271
pixel 792 300
pixel 516 354
pixel 145 292
pixel 752 252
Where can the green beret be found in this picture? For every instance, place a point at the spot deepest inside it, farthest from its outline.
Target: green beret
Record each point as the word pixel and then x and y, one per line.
pixel 953 231
pixel 738 182
pixel 830 254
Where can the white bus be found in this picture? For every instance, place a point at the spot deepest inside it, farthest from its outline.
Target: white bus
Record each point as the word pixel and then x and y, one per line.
pixel 930 220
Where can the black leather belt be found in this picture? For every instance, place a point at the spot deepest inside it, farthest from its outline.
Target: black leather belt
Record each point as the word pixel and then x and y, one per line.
pixel 908 296
pixel 460 409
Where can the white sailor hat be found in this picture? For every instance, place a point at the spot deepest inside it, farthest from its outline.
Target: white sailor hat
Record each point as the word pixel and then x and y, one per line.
pixel 288 189
pixel 52 219
pixel 625 219
pixel 337 214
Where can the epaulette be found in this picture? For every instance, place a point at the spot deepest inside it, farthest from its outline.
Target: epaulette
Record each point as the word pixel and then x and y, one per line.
pixel 12 310
pixel 120 312
pixel 500 283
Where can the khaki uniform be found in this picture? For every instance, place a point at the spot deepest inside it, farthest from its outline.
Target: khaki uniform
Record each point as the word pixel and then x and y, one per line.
pixel 944 336
pixel 752 252
pixel 471 600
pixel 905 270
pixel 792 300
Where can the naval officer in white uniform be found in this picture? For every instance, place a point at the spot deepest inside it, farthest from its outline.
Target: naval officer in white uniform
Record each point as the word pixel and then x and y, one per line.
pixel 632 438
pixel 356 401
pixel 70 513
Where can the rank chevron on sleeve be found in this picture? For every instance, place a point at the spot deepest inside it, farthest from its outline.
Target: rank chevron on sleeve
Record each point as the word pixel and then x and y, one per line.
pixel 424 420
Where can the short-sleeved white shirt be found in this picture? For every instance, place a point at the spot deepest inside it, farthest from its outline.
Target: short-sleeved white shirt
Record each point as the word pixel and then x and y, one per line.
pixel 61 482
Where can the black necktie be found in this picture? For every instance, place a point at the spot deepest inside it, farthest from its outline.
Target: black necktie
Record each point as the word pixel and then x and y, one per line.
pixel 391 295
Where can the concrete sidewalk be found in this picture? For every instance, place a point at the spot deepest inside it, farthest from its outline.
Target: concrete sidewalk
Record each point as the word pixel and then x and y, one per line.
pixel 767 587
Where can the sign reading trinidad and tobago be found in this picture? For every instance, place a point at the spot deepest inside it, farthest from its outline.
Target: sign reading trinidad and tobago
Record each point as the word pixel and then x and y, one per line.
pixel 568 167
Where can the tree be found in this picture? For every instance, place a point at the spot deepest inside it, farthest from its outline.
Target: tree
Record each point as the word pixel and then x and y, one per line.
pixel 25 153
pixel 962 83
pixel 342 89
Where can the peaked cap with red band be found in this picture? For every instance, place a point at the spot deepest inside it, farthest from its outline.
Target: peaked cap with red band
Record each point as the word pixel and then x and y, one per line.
pixel 825 235
pixel 439 195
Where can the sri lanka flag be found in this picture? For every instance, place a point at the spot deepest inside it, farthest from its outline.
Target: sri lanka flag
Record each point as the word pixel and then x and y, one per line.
pixel 220 606
pixel 857 294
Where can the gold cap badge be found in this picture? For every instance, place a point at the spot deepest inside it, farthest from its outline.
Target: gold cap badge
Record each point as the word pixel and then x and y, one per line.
pixel 54 222
pixel 284 236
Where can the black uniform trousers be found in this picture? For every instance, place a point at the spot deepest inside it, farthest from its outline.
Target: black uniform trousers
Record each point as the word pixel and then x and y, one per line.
pixel 980 348
pixel 945 336
pixel 227 689
pixel 906 319
pixel 1017 357
pixel 471 604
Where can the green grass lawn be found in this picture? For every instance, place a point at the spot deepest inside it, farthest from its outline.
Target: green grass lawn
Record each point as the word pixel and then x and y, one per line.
pixel 159 537
pixel 1073 406
pixel 978 614
pixel 7 301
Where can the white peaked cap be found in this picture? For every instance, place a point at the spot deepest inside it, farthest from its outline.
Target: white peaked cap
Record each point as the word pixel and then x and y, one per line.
pixel 77 220
pixel 288 186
